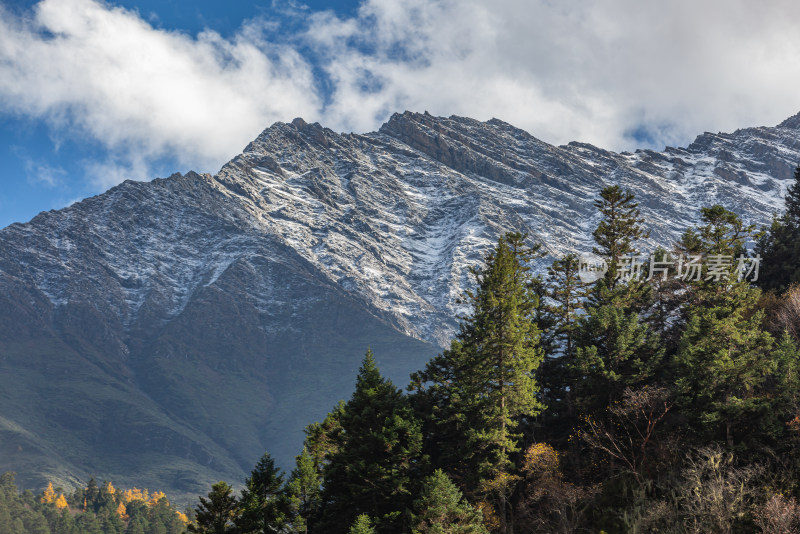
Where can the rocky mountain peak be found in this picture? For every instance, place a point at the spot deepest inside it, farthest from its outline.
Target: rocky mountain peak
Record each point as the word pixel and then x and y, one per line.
pixel 792 122
pixel 169 301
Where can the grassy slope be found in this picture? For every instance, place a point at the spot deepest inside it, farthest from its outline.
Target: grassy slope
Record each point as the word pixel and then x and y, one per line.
pixel 178 424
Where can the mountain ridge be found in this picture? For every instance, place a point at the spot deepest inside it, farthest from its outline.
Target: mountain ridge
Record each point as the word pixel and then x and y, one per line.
pixel 195 320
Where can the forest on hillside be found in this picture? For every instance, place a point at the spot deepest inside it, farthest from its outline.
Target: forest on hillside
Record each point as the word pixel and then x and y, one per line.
pixel 92 509
pixel 658 394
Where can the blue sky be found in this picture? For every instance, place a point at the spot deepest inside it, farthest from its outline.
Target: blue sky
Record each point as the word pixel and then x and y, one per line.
pixel 44 165
pixel 93 92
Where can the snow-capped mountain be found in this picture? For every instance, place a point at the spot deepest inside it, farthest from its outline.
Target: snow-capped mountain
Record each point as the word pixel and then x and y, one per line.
pixel 188 323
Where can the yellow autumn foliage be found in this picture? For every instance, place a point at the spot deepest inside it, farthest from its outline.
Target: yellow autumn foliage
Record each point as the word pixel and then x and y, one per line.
pixel 143 495
pixel 155 497
pixel 135 494
pixel 123 498
pixel 49 495
pixel 541 460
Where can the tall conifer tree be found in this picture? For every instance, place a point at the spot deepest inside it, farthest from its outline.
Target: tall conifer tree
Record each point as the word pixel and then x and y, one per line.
pixel 216 514
pixel 614 348
pixel 264 507
pixel 377 458
pixel 620 228
pixel 486 382
pixel 303 490
pixel 723 363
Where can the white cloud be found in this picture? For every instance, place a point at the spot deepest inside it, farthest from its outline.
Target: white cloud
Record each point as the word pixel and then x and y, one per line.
pixel 113 171
pixel 587 70
pixel 37 171
pixel 145 93
pixel 44 173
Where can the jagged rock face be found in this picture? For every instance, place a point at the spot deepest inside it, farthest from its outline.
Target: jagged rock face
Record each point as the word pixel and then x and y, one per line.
pixel 397 216
pixel 187 324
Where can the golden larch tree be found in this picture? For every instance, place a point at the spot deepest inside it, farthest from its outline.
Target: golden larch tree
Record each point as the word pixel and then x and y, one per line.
pixel 49 494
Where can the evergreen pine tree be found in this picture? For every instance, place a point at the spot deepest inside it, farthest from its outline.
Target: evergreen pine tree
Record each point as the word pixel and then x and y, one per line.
pixel 303 491
pixel 87 523
pixel 567 295
pixel 785 384
pixel 138 526
pixel 545 317
pixel 722 362
pixel 263 508
pixel 6 521
pixel 217 513
pixel 362 525
pixel 721 236
pixel 721 232
pixel 620 228
pixel 63 523
pixel 105 498
pixel 446 399
pixel 614 348
pixel 485 384
pixel 616 351
pixel 724 355
pixel 667 294
pixel 377 455
pixel 322 439
pixel 110 522
pixel 91 494
pixel 162 513
pixel 504 339
pixel 779 246
pixel 441 509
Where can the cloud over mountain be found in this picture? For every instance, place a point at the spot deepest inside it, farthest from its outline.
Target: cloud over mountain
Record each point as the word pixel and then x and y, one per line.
pixel 617 73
